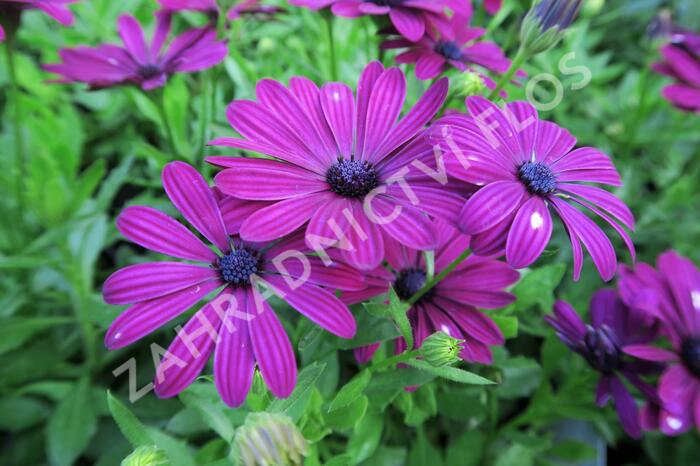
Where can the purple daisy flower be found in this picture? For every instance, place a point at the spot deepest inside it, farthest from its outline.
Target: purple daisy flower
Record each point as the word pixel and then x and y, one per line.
pixel 682 63
pixel 238 326
pixel 671 293
pixel 451 306
pixel 455 45
pixel 57 9
pixel 614 325
pixel 338 160
pixel 138 63
pixel 525 166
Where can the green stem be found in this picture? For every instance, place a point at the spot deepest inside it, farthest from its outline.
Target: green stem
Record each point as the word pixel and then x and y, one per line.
pixel 207 82
pixel 331 46
pixel 439 277
pixel 394 360
pixel 518 61
pixel 160 103
pixel 17 124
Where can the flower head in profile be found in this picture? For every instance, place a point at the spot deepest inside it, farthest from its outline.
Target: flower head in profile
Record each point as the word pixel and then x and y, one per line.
pixel 452 305
pixel 453 45
pixel 57 9
pixel 614 325
pixel 671 293
pixel 344 166
pixel 270 440
pixel 238 326
pixel 139 63
pixel 545 23
pixel 681 61
pixel 525 167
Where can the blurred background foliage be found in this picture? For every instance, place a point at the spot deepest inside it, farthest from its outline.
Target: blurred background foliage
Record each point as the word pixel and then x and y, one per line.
pixel 89 154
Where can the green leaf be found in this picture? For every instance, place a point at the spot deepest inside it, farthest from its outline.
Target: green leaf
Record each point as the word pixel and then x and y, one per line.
pixel 398 312
pixel 467 450
pixel 451 373
pixel 177 450
pixel 507 324
pixel 21 412
pixel 134 431
pixel 348 416
pixel 16 330
pixel 516 454
pixel 351 391
pixel 537 287
pixel 521 377
pixel 423 453
pixel 71 426
pixel 295 404
pixel 211 413
pixel 573 451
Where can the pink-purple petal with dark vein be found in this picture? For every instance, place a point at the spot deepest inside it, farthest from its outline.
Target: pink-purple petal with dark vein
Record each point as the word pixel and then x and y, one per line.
pixel 585 158
pixel 626 408
pixel 491 204
pixel 492 242
pixel 479 273
pixel 372 9
pixel 365 248
pixel 599 246
pixel 436 202
pixel 309 97
pixel 132 36
pixel 365 87
pixel 474 323
pixel 410 24
pixel 650 353
pixel 604 199
pixel 529 234
pixel 486 299
pixel 154 230
pixel 364 354
pixel 429 66
pixel 440 321
pixel 338 104
pixel 683 281
pixel 236 211
pixel 523 117
pixel 329 224
pixel 193 198
pixel 383 109
pixel 188 353
pixel 267 180
pixel 683 96
pixel 569 319
pixel 253 146
pixel 494 126
pixel 142 282
pixel 553 142
pixel 312 270
pixel 684 65
pixel 145 317
pixel 477 352
pixel 609 177
pixel 282 218
pixel 271 345
pixel 234 361
pixel 318 305
pixel 404 223
pixel 576 249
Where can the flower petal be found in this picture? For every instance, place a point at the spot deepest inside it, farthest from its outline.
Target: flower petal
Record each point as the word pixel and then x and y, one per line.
pixel 491 204
pixel 338 105
pixel 529 234
pixel 384 108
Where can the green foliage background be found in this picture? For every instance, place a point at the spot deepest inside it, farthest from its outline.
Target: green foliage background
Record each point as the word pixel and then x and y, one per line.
pixel 89 154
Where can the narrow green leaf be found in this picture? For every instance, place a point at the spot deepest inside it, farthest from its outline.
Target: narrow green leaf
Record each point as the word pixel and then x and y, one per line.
pixel 451 373
pixel 212 414
pixel 134 431
pixel 397 311
pixel 351 391
pixel 295 404
pixel 15 331
pixel 71 426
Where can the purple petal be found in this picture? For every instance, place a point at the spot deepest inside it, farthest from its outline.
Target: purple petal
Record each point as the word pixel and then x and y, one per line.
pixel 365 248
pixel 385 104
pixel 338 105
pixel 472 322
pixel 626 408
pixel 132 35
pixel 236 211
pixel 602 394
pixel 429 66
pixel 491 204
pixel 404 223
pixel 364 354
pixel 410 24
pixel 529 234
pixel 365 87
pixel 650 353
pixel 309 97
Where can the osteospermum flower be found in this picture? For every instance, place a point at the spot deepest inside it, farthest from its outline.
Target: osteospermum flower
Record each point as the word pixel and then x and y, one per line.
pixel 146 65
pixel 451 306
pixel 614 325
pixel 682 63
pixel 238 326
pixel 336 158
pixel 526 166
pixel 210 7
pixel 455 45
pixel 57 9
pixel 671 293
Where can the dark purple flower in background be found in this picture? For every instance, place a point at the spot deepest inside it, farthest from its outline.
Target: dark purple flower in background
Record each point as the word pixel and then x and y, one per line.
pixel 313 4
pixel 671 293
pixel 246 331
pixel 525 166
pixel 210 7
pixel 614 325
pixel 57 9
pixel 455 45
pixel 451 306
pixel 681 61
pixel 139 63
pixel 335 154
pixel 493 6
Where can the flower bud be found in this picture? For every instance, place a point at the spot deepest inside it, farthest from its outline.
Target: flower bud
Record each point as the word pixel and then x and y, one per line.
pixel 469 84
pixel 440 349
pixel 269 440
pixel 146 456
pixel 545 23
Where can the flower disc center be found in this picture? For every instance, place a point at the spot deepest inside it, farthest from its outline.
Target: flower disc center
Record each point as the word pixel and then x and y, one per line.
pixel 690 354
pixel 409 282
pixel 601 349
pixel 449 50
pixel 538 178
pixel 238 266
pixel 149 71
pixel 352 178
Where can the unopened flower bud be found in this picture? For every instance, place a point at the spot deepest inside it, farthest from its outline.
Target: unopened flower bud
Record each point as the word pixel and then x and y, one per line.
pixel 270 440
pixel 545 23
pixel 146 456
pixel 440 349
pixel 469 84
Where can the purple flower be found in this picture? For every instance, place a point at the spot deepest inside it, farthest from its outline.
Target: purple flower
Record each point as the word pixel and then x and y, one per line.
pixel 57 9
pixel 526 166
pixel 671 293
pixel 238 326
pixel 409 17
pixel 614 325
pixel 682 63
pixel 451 306
pixel 210 7
pixel 454 44
pixel 493 6
pixel 341 165
pixel 137 62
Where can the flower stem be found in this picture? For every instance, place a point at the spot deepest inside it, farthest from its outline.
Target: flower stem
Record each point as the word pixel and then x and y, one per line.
pixel 331 47
pixel 518 61
pixel 394 360
pixel 439 277
pixel 160 103
pixel 17 124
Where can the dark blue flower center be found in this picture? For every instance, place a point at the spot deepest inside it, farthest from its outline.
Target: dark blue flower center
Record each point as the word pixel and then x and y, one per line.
pixel 352 178
pixel 149 71
pixel 601 349
pixel 449 50
pixel 409 281
pixel 538 178
pixel 690 354
pixel 238 266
